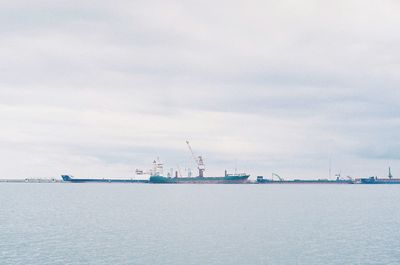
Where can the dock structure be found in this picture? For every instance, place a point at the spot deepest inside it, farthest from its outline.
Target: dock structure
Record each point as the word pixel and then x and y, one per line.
pixel 31 180
pixel 262 180
pixel 227 179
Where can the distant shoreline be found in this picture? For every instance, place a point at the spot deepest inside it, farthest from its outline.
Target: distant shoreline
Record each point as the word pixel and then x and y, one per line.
pixel 268 183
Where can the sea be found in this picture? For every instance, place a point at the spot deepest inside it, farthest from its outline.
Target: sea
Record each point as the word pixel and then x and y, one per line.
pixel 148 224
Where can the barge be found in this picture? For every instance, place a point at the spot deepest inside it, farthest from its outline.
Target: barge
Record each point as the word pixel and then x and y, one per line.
pixel 68 178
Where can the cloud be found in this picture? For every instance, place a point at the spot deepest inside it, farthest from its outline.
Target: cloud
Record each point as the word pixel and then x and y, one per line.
pixel 99 88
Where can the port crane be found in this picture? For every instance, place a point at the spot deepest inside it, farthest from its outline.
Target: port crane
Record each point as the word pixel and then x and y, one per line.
pixel 276 175
pixel 339 177
pixel 198 160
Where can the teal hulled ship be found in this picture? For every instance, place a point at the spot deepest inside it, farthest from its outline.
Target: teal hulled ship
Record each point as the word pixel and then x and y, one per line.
pixel 227 179
pixel 68 178
pixel 157 176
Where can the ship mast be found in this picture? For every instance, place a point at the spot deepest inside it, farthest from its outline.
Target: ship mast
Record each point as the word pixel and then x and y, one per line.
pixel 198 160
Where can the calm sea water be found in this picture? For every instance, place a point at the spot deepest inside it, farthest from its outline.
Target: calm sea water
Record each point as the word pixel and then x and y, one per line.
pixel 198 224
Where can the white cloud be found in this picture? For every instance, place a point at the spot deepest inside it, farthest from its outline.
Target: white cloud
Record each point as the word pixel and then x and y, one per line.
pixel 98 88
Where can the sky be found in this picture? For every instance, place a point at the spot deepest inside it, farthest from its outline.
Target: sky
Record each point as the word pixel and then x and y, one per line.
pixel 100 88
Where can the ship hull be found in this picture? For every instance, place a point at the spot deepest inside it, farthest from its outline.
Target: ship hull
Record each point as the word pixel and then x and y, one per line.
pixel 200 180
pixel 373 180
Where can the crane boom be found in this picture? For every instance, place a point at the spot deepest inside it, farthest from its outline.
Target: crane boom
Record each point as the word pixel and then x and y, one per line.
pixel 198 160
pixel 191 151
pixel 276 175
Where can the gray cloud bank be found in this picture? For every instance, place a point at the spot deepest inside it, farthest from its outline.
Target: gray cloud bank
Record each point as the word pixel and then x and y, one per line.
pixel 98 88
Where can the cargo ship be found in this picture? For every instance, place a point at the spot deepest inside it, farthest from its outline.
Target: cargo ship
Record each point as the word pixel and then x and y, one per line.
pixel 227 179
pixel 68 178
pixel 157 175
pixel 376 180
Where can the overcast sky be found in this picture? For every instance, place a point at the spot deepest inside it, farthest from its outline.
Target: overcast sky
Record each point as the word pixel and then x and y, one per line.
pixel 99 88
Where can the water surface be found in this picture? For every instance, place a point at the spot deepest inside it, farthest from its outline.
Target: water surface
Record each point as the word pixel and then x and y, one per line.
pixel 143 224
